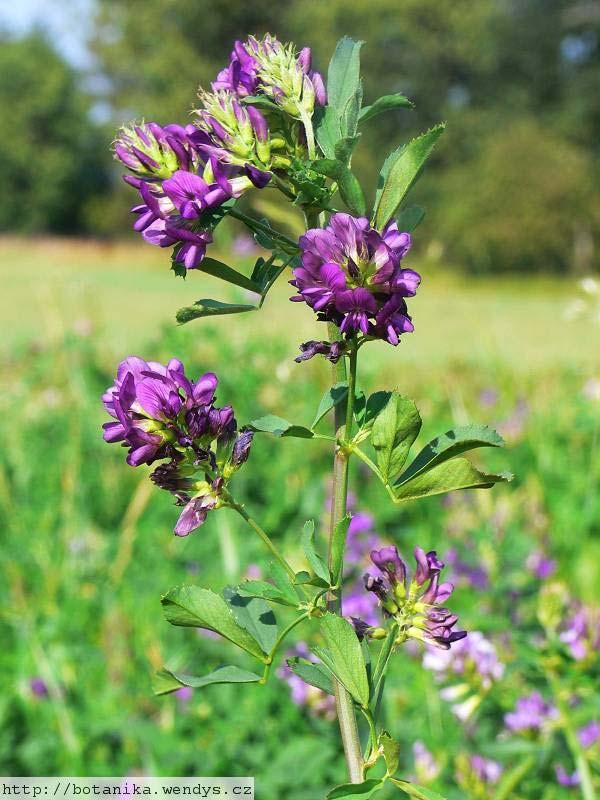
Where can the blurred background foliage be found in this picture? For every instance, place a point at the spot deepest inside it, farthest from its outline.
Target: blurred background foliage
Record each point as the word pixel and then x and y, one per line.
pixel 515 79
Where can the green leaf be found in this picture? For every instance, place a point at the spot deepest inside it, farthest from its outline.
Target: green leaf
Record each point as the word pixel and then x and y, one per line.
pixel 369 411
pixel 386 103
pixel 356 791
pixel 166 681
pixel 337 122
pixel 315 674
pixel 418 792
pixel 450 444
pixel 332 397
pixel 394 431
pixel 314 559
pixel 345 147
pixel 344 656
pixel 343 76
pixel 348 186
pixel 261 101
pixel 265 273
pixel 399 172
pixel 338 546
pixel 267 591
pixel 304 578
pixel 191 606
pixel 253 614
pixel 219 270
pixel 351 192
pixel 210 308
pixel 391 752
pixel 281 579
pixel 458 473
pixel 410 218
pixel 278 426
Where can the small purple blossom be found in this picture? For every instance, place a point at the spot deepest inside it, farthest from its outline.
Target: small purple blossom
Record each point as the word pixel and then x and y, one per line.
pixel 540 565
pixel 531 713
pixel 486 770
pixel 417 604
pixel 351 274
pixel 581 632
pixel 589 734
pixel 474 659
pixel 38 687
pixel 563 777
pixel 332 351
pixel 427 768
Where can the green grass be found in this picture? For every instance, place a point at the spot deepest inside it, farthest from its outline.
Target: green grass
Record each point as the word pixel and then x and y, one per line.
pixel 87 549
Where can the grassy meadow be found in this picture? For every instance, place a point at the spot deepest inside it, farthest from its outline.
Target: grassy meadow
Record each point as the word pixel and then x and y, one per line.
pixel 87 547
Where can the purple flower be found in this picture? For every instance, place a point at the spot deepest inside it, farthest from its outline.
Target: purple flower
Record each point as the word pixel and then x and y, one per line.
pixel 159 413
pixel 531 713
pixel 268 67
pixel 426 767
pixel 474 658
pixel 38 687
pixel 351 274
pixel 417 604
pixel 581 632
pixel 589 734
pixel 485 769
pixel 153 152
pixel 540 565
pixel 564 778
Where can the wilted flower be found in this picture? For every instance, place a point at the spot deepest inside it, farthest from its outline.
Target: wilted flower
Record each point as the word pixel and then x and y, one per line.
pixel 415 605
pixel 332 351
pixel 351 274
pixel 160 414
pixel 531 713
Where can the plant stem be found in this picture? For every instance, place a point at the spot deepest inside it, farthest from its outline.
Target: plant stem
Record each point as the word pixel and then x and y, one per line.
pixel 277 644
pixel 372 730
pixel 264 536
pixel 343 701
pixel 577 751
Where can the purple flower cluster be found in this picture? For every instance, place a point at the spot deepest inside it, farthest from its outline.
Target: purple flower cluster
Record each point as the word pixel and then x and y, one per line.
pixel 531 713
pixel 272 69
pixel 351 274
pixel 178 184
pixel 415 605
pixel 159 414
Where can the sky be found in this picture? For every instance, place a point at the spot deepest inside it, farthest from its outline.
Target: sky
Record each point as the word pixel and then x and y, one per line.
pixel 66 22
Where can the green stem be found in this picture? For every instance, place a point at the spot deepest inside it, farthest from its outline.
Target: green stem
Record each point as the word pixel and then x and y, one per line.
pixel 581 763
pixel 277 644
pixel 372 729
pixel 310 134
pixel 264 536
pixel 255 224
pixel 343 701
pixel 384 657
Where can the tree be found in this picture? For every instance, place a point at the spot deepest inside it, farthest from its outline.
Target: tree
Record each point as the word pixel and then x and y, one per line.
pixel 52 158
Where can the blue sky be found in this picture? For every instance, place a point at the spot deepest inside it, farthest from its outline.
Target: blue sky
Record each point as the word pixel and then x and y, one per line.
pixel 65 21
